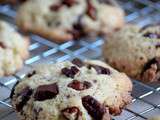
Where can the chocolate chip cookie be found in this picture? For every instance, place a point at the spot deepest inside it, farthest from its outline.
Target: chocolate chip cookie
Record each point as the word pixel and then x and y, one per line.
pixel 63 20
pixel 73 90
pixel 13 49
pixel 155 118
pixel 12 2
pixel 135 51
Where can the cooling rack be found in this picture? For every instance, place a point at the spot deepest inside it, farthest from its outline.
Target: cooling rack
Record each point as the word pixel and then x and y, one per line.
pixel 146 97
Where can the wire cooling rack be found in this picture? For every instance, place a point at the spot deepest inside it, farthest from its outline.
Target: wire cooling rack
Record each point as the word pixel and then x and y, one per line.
pixel 146 102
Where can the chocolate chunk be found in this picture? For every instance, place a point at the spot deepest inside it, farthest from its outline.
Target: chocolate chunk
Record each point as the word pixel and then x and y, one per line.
pixel 157 45
pixel 152 35
pixel 55 7
pixel 100 69
pixel 151 62
pixel 2 45
pixel 69 3
pixel 151 70
pixel 13 89
pixel 45 92
pixel 108 2
pixel 15 2
pixel 25 96
pixel 97 110
pixel 70 72
pixel 78 29
pixel 77 85
pixel 31 74
pixel 72 113
pixel 78 62
pixel 91 10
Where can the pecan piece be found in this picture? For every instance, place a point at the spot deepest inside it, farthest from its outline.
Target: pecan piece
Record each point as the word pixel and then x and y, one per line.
pixel 72 113
pixel 77 85
pixel 97 110
pixel 70 72
pixel 45 92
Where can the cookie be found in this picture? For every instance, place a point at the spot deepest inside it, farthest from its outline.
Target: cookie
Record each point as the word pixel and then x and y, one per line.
pixel 135 51
pixel 155 118
pixel 13 49
pixel 63 20
pixel 74 90
pixel 12 2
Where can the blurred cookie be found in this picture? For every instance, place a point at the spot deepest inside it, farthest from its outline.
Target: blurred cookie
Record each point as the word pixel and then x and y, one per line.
pixel 135 51
pixel 155 118
pixel 12 2
pixel 71 91
pixel 13 49
pixel 63 20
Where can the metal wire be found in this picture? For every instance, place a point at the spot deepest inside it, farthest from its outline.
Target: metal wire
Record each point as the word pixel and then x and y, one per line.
pixel 146 102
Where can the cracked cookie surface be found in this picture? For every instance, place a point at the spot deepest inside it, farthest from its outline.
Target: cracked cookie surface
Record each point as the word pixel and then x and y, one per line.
pixel 13 49
pixel 71 91
pixel 135 51
pixel 63 20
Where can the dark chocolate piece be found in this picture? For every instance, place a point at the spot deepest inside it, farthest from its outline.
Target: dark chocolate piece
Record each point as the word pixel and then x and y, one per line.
pixel 152 35
pixel 151 62
pixel 45 92
pixel 77 85
pixel 78 62
pixel 25 96
pixel 97 110
pixel 91 10
pixel 69 3
pixel 31 74
pixel 100 69
pixel 2 45
pixel 55 7
pixel 70 72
